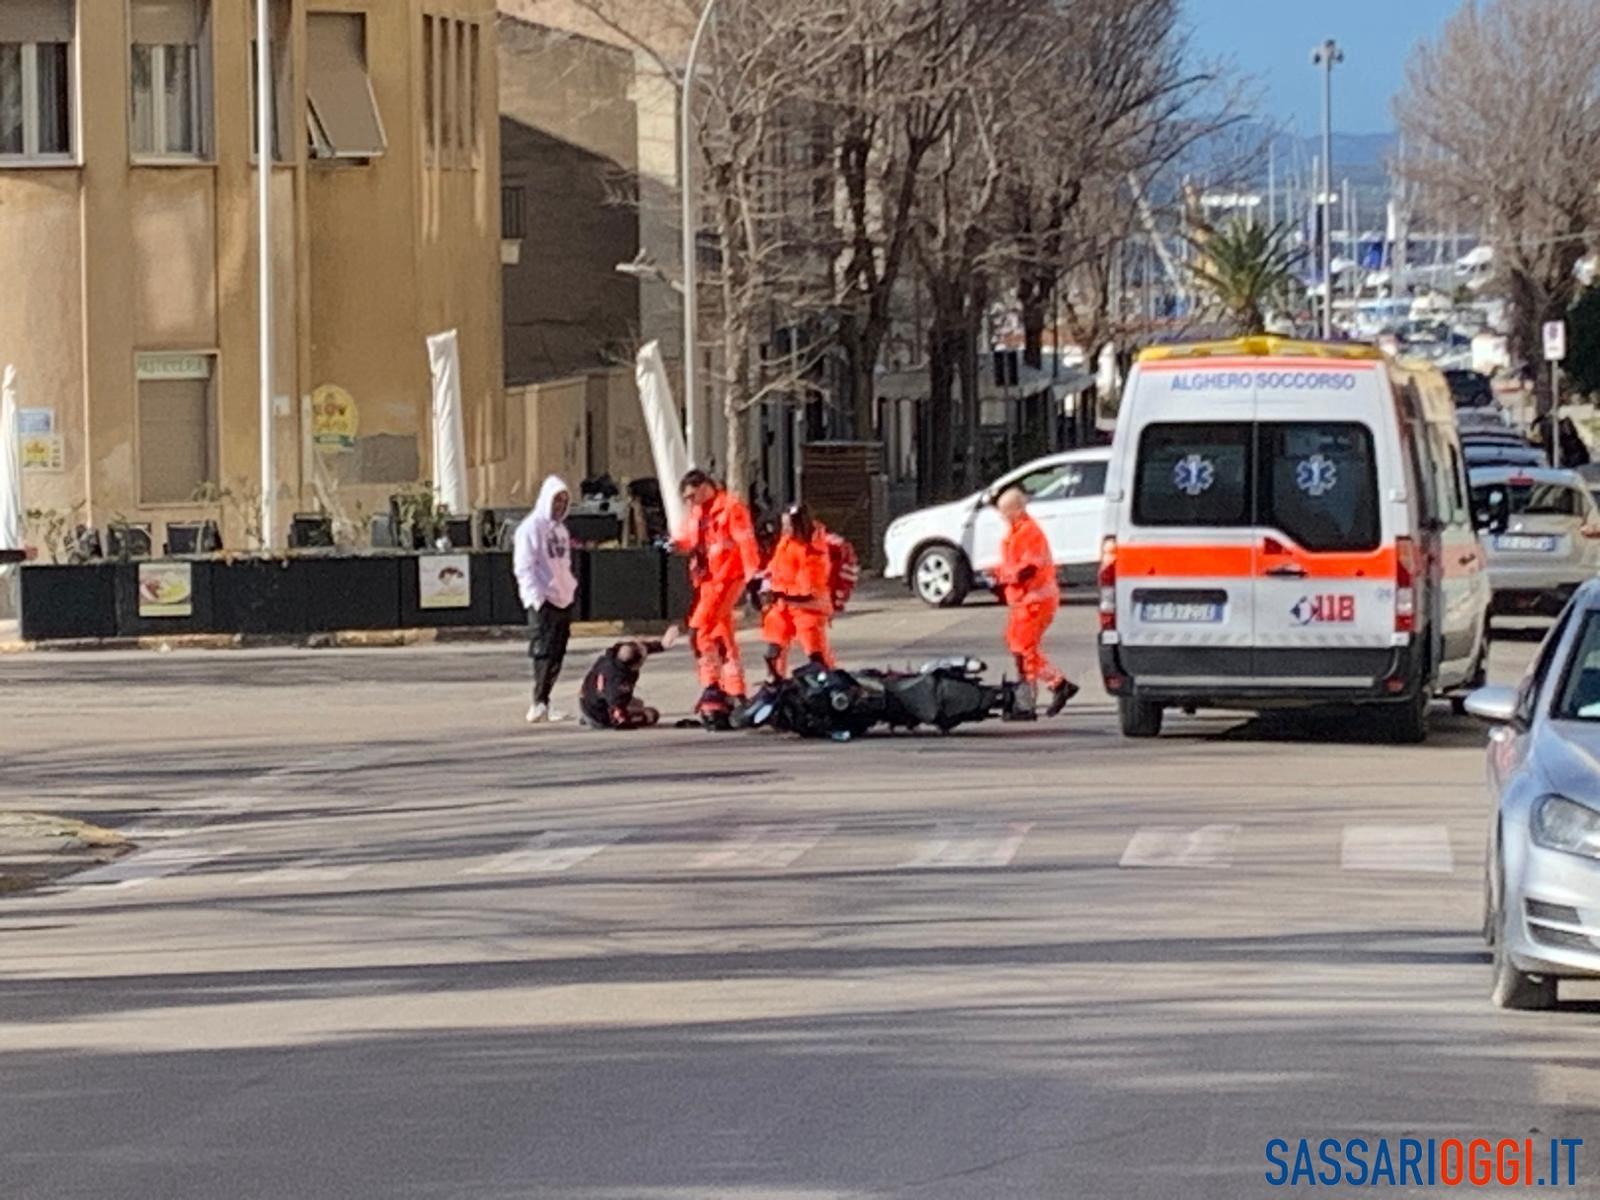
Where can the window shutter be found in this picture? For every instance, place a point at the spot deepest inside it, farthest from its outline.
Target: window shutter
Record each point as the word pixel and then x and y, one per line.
pixel 344 111
pixel 166 22
pixel 36 21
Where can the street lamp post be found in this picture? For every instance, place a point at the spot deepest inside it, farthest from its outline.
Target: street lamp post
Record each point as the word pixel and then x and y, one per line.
pixel 265 107
pixel 691 305
pixel 1327 56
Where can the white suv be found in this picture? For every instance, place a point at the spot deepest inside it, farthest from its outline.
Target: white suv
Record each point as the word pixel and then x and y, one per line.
pixel 939 550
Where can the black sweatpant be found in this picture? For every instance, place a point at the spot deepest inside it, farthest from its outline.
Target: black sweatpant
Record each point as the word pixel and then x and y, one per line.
pixel 549 628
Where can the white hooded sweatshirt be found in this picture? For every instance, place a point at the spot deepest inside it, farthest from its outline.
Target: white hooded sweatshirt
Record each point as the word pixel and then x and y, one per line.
pixel 543 557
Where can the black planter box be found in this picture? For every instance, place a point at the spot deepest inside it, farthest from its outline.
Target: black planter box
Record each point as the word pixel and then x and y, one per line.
pixel 352 592
pixel 260 596
pixel 202 614
pixel 677 591
pixel 626 585
pixel 61 603
pixel 414 616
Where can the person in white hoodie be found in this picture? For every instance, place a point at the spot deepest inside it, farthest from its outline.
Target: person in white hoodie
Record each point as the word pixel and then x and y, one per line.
pixel 549 590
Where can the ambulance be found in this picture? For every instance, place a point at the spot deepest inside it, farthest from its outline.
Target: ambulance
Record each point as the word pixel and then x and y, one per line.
pixel 1289 524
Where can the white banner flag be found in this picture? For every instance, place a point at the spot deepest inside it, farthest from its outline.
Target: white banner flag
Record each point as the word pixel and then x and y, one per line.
pixel 449 425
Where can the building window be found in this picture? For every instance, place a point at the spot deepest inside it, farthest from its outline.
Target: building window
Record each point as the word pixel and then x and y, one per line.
pixel 170 78
pixel 471 93
pixel 36 79
pixel 177 426
pixel 282 84
pixel 430 88
pixel 343 118
pixel 452 90
pixel 513 214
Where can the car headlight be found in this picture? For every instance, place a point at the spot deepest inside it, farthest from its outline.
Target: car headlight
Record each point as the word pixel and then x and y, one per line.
pixel 1562 824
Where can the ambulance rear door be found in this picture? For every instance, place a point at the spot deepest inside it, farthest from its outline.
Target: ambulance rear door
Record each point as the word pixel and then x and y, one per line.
pixel 1326 461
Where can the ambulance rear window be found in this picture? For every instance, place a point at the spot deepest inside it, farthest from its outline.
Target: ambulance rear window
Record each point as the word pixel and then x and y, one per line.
pixel 1194 474
pixel 1319 485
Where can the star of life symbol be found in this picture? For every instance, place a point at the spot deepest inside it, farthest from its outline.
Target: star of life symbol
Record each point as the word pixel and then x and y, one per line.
pixel 1316 476
pixel 1193 475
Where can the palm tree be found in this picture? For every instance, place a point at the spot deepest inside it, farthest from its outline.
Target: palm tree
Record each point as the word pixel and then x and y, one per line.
pixel 1245 267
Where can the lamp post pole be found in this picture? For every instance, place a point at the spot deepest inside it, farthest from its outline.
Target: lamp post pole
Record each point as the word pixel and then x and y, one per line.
pixel 265 107
pixel 691 302
pixel 1327 56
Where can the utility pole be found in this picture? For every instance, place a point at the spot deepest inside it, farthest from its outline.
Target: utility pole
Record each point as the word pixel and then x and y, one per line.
pixel 691 241
pixel 265 107
pixel 1327 56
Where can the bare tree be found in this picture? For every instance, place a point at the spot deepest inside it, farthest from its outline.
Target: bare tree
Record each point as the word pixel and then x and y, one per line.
pixel 1501 119
pixel 765 216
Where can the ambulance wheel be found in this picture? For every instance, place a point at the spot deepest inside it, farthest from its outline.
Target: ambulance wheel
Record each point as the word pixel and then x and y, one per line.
pixel 1407 722
pixel 941 577
pixel 1139 718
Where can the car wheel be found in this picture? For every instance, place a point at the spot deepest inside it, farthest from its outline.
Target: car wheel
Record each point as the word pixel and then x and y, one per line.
pixel 1139 718
pixel 941 577
pixel 1512 988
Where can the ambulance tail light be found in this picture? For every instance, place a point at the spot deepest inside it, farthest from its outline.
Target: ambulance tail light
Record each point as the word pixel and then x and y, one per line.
pixel 1405 586
pixel 1108 584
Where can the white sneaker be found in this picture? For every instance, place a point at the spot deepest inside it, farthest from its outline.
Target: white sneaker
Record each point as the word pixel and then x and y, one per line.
pixel 538 714
pixel 554 714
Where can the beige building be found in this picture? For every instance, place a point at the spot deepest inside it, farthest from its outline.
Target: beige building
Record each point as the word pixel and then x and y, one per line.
pixel 128 226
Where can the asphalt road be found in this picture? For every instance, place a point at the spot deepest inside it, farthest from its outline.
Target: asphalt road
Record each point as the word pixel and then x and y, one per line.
pixel 381 940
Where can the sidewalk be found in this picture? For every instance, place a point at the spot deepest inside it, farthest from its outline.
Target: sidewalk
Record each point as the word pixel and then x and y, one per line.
pixel 38 847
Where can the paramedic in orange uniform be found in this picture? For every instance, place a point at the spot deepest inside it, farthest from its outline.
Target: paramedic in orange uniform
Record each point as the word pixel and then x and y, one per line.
pixel 799 584
pixel 721 541
pixel 1027 575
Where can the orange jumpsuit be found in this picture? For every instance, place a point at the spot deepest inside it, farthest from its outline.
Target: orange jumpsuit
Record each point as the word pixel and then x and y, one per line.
pixel 1033 596
pixel 722 542
pixel 799 569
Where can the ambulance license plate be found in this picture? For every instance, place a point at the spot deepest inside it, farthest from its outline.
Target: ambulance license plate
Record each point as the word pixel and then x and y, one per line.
pixel 1179 612
pixel 1521 543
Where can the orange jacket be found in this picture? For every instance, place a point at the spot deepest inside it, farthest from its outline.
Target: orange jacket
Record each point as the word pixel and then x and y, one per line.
pixel 722 540
pixel 803 569
pixel 1026 546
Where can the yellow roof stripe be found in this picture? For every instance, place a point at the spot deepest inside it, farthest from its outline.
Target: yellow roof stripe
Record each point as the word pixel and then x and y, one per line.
pixel 1264 346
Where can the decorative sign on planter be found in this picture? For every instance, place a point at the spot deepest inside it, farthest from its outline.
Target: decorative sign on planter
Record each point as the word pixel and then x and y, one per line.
pixel 444 581
pixel 166 589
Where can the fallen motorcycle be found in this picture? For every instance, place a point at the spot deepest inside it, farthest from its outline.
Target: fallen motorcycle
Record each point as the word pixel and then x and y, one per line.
pixel 820 703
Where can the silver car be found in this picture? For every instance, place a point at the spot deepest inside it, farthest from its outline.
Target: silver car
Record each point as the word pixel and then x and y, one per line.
pixel 1551 540
pixel 1542 876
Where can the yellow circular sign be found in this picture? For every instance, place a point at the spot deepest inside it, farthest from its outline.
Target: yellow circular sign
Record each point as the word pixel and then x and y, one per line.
pixel 334 418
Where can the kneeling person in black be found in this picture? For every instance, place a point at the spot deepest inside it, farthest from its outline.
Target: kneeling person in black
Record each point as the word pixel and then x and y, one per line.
pixel 607 700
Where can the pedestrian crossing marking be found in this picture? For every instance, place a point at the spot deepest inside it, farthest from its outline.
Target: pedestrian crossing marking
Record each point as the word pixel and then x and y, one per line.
pixel 1410 848
pixel 552 852
pixel 308 870
pixel 969 845
pixel 1206 847
pixel 142 867
pixel 763 847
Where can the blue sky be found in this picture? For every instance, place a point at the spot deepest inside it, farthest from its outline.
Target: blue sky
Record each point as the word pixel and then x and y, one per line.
pixel 1272 41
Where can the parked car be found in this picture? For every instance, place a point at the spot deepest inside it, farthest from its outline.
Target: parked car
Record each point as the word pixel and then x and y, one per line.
pixel 1485 448
pixel 1472 421
pixel 940 550
pixel 1551 542
pixel 1277 511
pixel 1542 870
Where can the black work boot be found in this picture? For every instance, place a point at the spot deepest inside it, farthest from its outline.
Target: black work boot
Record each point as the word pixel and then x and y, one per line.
pixel 1059 695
